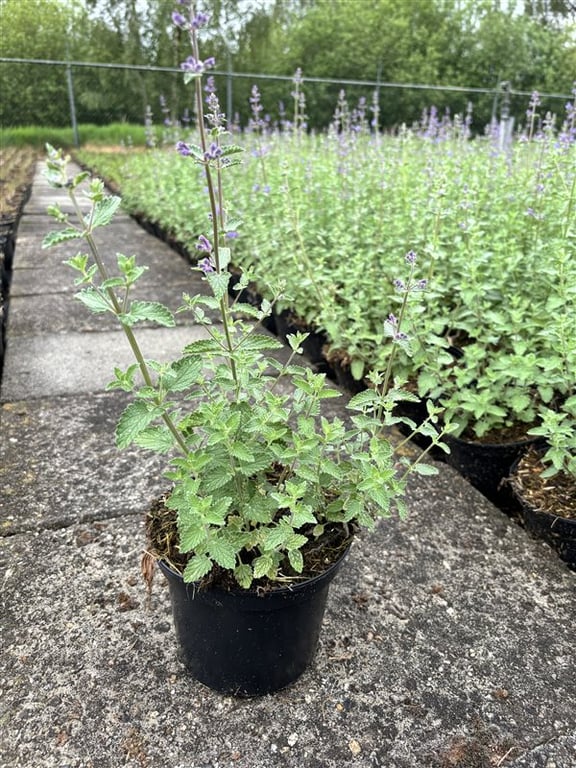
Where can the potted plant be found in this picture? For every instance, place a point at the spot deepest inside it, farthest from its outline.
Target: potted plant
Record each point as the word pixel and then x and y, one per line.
pixel 544 481
pixel 265 494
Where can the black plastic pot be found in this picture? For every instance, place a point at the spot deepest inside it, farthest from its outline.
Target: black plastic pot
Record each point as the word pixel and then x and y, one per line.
pixel 247 644
pixel 486 465
pixel 558 532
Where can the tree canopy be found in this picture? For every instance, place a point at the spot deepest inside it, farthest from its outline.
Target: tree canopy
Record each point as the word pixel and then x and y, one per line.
pixel 471 44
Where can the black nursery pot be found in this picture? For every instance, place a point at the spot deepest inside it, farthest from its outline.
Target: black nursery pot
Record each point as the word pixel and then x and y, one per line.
pixel 558 532
pixel 486 465
pixel 245 644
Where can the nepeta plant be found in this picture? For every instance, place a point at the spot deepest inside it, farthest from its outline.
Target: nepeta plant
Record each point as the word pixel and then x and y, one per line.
pixel 257 473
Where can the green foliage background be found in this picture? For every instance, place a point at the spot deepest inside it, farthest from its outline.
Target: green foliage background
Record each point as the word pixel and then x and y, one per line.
pixel 468 43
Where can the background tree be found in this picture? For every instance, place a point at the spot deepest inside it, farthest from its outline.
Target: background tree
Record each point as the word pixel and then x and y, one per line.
pixel 467 43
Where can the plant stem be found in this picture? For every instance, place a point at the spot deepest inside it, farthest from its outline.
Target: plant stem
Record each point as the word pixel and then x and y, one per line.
pixel 135 347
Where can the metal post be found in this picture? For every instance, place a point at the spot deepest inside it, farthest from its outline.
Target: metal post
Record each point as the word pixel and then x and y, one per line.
pixel 229 114
pixel 72 105
pixel 504 116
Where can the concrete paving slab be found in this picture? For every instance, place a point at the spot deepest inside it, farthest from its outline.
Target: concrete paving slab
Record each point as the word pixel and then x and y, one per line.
pixel 59 465
pixel 447 642
pixel 125 237
pixel 72 363
pixel 39 314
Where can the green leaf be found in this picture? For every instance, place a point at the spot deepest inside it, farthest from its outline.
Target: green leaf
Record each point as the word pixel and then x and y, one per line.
pixel 239 451
pixel 218 479
pixel 190 536
pixel 186 373
pixel 148 310
pixel 357 369
pixel 255 342
pixel 104 211
pixel 219 283
pixel 296 560
pixel 363 400
pixel 243 575
pixel 134 420
pixel 262 565
pixel 61 236
pixel 94 301
pixel 222 552
pixel 225 254
pixel 197 567
pixel 231 149
pixel 158 439
pixel 424 469
pixel 203 347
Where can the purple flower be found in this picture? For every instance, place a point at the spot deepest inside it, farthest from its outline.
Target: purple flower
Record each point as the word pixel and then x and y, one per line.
pixel 200 20
pixel 400 285
pixel 392 319
pixel 179 20
pixel 213 152
pixel 204 244
pixel 192 65
pixel 183 149
pixel 420 285
pixel 195 65
pixel 411 257
pixel 232 235
pixel 206 266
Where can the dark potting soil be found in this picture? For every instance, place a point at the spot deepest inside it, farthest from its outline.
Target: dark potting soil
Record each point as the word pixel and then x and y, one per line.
pixel 512 434
pixel 319 554
pixel 555 495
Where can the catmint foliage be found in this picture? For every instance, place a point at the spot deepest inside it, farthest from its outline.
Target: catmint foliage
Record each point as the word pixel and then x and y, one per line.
pixel 256 471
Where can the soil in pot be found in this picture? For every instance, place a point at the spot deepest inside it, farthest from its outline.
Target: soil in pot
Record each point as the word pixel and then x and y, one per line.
pixel 548 504
pixel 246 642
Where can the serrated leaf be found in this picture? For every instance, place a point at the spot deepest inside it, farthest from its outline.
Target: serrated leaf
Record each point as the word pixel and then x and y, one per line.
pixel 296 540
pixel 186 373
pixel 197 568
pixel 363 400
pixel 104 211
pixel 218 283
pixel 152 311
pixel 296 560
pixel 255 342
pixel 61 236
pixel 202 347
pixel 190 537
pixel 94 301
pixel 239 451
pixel 231 149
pixel 217 480
pixel 222 552
pixel 243 575
pixel 224 255
pixel 262 565
pixel 158 439
pixel 133 420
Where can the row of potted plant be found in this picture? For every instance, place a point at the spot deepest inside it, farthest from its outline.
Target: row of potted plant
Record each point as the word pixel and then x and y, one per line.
pixel 494 227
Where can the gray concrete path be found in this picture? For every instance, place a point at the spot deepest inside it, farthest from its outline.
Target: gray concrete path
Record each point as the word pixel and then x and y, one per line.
pixel 448 640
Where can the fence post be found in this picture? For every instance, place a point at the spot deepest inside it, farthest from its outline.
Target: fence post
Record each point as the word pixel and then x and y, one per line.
pixel 72 104
pixel 506 122
pixel 229 115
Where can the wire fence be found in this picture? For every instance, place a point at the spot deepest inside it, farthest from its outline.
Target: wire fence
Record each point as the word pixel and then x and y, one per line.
pixel 72 92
